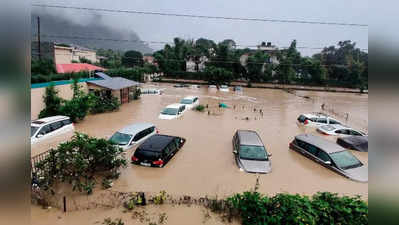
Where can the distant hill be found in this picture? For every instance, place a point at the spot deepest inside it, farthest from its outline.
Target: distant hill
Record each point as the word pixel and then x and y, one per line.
pixel 58 26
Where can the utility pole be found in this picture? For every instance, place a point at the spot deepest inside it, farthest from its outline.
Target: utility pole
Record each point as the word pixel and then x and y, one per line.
pixel 38 38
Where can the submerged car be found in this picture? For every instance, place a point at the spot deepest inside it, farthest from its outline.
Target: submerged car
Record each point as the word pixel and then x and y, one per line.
pixel 133 135
pixel 48 128
pixel 330 155
pixel 250 153
pixel 157 150
pixel 180 85
pixel 316 119
pixel 190 102
pixel 339 130
pixel 224 88
pixel 151 91
pixel 237 88
pixel 172 111
pixel 357 143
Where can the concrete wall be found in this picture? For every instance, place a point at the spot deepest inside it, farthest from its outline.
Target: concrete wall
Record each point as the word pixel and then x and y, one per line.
pixel 63 55
pixel 64 91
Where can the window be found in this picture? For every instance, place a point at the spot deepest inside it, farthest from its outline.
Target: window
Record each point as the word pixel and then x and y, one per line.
pixel 66 122
pixel 334 122
pixel 121 138
pixel 57 125
pixel 172 146
pixel 352 132
pixel 252 152
pixel 139 135
pixel 323 156
pixel 45 130
pixel 342 131
pixel 311 149
pixel 322 120
pixel 33 130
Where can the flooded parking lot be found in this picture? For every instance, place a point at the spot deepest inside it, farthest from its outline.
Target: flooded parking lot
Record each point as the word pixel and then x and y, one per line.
pixel 206 166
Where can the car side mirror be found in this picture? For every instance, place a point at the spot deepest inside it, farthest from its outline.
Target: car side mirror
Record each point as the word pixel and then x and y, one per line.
pixel 327 162
pixel 39 135
pixel 235 152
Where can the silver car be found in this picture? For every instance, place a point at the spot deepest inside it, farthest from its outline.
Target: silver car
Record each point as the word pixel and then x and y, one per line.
pixel 330 155
pixel 133 134
pixel 250 153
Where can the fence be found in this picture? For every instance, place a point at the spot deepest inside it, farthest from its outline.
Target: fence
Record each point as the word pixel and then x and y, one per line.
pixel 38 158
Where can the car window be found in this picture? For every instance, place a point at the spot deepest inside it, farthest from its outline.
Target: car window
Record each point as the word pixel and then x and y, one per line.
pixel 182 108
pixel 139 135
pixel 120 138
pixel 45 130
pixel 311 149
pixel 33 130
pixel 342 131
pixel 66 122
pixel 313 119
pixel 334 121
pixel 345 160
pixel 57 125
pixel 322 120
pixel 323 156
pixel 172 146
pixel 352 132
pixel 252 152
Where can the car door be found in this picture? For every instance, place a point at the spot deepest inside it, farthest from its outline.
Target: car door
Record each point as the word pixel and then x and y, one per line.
pixel 44 133
pixel 57 128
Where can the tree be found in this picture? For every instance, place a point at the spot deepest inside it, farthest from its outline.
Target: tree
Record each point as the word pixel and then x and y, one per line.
pixel 43 67
pixel 259 67
pixel 132 58
pixel 217 75
pixel 51 101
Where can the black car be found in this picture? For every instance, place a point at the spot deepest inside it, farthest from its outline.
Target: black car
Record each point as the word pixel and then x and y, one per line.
pixel 157 150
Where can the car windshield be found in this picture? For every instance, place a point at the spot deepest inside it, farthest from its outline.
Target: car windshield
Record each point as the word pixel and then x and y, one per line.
pixel 33 130
pixel 121 138
pixel 252 152
pixel 169 111
pixel 186 101
pixel 345 160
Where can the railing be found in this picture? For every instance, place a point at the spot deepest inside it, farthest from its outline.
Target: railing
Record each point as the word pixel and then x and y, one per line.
pixel 38 158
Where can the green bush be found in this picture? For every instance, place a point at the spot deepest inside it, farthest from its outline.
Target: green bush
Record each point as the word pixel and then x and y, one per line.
pixel 52 102
pixel 103 104
pixel 200 108
pixel 78 161
pixel 323 208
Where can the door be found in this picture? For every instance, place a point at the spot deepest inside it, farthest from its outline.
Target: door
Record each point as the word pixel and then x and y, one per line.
pixel 124 95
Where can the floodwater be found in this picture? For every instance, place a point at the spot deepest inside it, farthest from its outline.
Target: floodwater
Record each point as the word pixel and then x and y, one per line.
pixel 205 166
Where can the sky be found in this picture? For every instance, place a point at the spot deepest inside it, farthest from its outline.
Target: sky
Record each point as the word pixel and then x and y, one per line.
pixel 163 28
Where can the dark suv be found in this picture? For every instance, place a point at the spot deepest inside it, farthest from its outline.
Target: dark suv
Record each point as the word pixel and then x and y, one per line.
pixel 157 150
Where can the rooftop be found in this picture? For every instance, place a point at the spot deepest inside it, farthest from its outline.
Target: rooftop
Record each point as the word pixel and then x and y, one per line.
pixel 135 128
pixel 327 146
pixel 249 137
pixel 115 83
pixel 77 67
pixel 156 143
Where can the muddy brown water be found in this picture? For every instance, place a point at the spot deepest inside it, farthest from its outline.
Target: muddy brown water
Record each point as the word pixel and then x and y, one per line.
pixel 206 166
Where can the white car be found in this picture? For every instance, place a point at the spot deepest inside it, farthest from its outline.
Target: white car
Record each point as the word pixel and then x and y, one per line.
pixel 46 129
pixel 133 135
pixel 190 102
pixel 212 86
pixel 339 130
pixel 224 88
pixel 316 120
pixel 150 91
pixel 172 111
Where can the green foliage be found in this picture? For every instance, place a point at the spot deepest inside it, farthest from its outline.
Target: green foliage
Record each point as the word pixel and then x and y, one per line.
pixel 136 73
pixel 112 58
pixel 100 104
pixel 258 67
pixel 134 200
pixel 78 107
pixel 109 221
pixel 216 75
pixel 84 60
pixel 160 198
pixel 132 58
pixel 52 102
pixel 39 78
pixel 200 108
pixel 78 161
pixel 44 66
pixel 323 208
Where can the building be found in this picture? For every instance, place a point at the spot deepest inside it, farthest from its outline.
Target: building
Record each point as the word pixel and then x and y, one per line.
pixel 118 87
pixel 202 62
pixel 63 53
pixel 270 49
pixel 191 65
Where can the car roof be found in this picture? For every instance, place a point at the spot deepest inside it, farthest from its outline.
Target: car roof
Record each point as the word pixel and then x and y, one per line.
pixel 46 120
pixel 190 97
pixel 174 105
pixel 337 126
pixel 318 115
pixel 135 128
pixel 325 145
pixel 156 143
pixel 249 137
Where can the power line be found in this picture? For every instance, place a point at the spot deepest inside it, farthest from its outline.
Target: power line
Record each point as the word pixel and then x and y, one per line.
pixel 155 42
pixel 201 16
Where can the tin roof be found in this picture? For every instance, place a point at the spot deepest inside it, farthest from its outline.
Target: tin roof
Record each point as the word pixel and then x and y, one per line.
pixel 115 83
pixel 76 67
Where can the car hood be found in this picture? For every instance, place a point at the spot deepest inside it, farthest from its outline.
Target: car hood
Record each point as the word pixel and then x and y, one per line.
pixel 255 166
pixel 360 174
pixel 166 117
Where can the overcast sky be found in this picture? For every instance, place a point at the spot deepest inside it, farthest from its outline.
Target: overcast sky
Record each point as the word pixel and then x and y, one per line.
pixel 162 28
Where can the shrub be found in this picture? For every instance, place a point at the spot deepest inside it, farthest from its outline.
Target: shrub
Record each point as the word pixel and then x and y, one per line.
pixel 200 108
pixel 109 221
pixel 52 102
pixel 78 161
pixel 323 208
pixel 101 104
